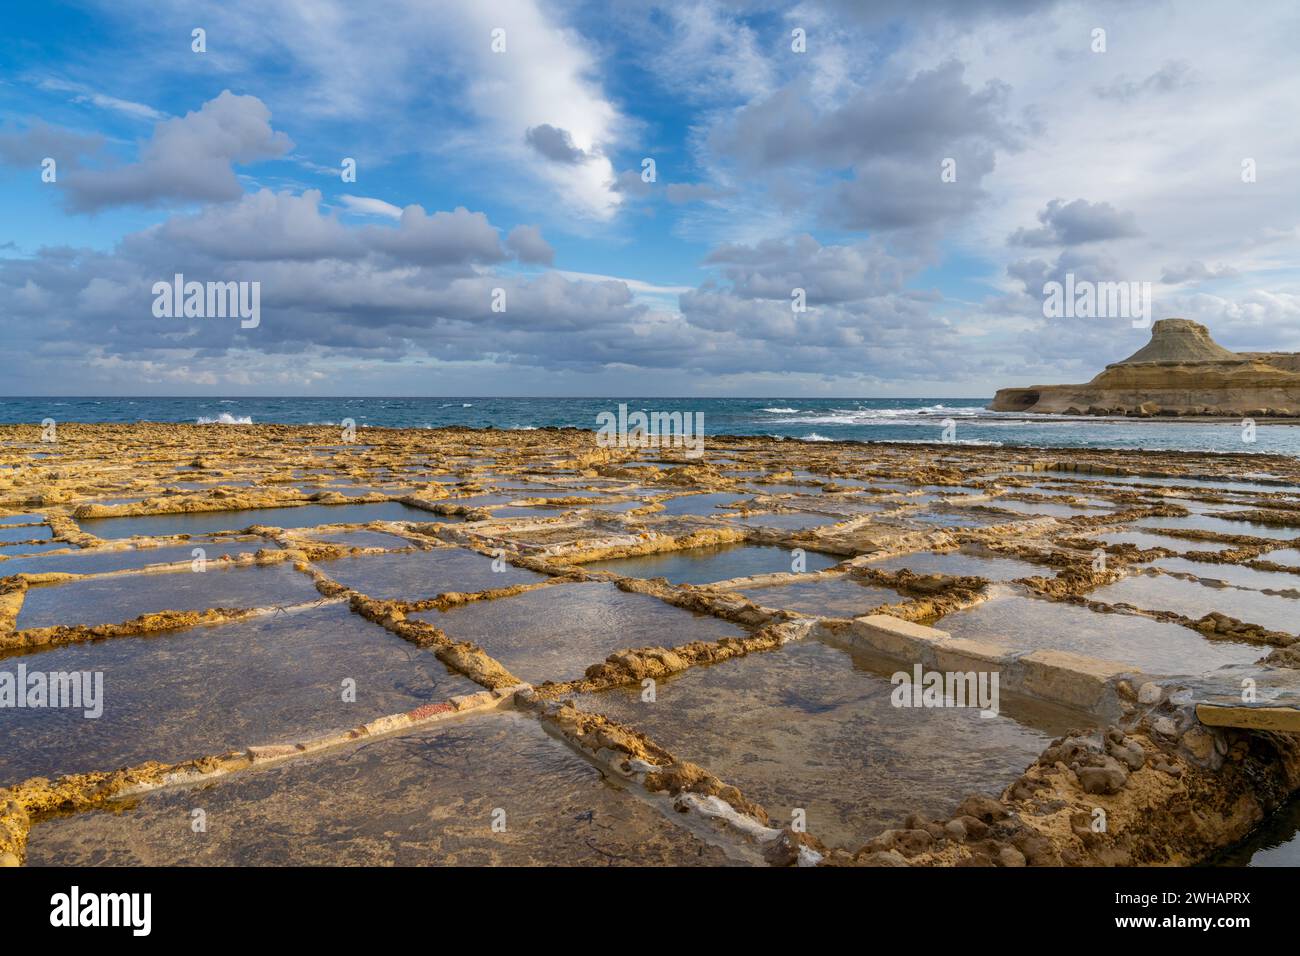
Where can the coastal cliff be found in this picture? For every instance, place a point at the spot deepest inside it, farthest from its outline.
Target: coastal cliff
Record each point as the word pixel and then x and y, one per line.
pixel 1182 371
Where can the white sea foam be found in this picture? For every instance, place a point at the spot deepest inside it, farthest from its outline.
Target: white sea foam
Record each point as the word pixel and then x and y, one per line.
pixel 225 418
pixel 930 415
pixel 961 441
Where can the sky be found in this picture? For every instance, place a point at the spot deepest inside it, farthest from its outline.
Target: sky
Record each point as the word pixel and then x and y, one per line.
pixel 595 199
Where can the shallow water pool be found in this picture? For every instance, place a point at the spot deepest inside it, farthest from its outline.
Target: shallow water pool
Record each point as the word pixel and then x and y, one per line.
pixel 812 726
pixel 839 596
pixel 419 575
pixel 112 600
pixel 1161 592
pixel 555 633
pixel 960 563
pixel 185 694
pixel 101 561
pixel 426 798
pixel 1027 623
pixel 305 516
pixel 706 565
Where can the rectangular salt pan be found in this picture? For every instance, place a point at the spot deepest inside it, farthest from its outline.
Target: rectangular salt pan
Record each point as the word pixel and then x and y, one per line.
pixel 788 521
pixel 421 575
pixel 812 727
pixel 1161 592
pixel 705 504
pixel 963 563
pixel 112 600
pixel 99 561
pixel 840 596
pixel 202 522
pixel 555 633
pixel 184 694
pixel 1157 647
pixel 1145 540
pixel 425 798
pixel 706 565
pixel 1222 526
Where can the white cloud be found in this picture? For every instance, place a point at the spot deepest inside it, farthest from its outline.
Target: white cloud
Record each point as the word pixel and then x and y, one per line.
pixel 369 206
pixel 346 62
pixel 187 159
pixel 1125 165
pixel 84 94
pixel 263 225
pixel 1168 151
pixel 527 244
pixel 547 76
pixel 636 285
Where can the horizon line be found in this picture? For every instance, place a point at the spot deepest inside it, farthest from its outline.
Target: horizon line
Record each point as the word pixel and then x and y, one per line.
pixel 720 398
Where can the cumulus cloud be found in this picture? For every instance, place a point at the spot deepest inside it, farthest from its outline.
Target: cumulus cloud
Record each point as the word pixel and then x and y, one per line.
pixel 344 63
pixel 188 159
pixel 910 117
pixel 264 225
pixel 28 146
pixel 267 226
pixel 527 244
pixel 820 172
pixel 860 319
pixel 892 137
pixel 1075 223
pixel 423 290
pixel 1257 321
pixel 771 269
pixel 421 287
pixel 443 238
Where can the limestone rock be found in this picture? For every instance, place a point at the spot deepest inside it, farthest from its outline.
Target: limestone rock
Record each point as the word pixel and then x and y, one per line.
pixel 1109 777
pixel 1181 371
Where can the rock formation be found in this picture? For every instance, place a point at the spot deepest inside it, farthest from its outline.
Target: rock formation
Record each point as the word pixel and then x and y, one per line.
pixel 1181 371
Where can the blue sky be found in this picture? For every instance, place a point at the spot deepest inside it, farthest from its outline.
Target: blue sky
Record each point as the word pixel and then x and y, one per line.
pixel 519 170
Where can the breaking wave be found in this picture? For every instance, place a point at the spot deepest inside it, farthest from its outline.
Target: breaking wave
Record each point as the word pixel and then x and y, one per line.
pixel 929 415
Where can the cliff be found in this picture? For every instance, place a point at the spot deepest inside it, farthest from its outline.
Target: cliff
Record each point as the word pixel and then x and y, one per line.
pixel 1181 371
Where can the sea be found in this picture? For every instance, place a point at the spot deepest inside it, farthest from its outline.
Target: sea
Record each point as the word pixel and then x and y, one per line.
pixel 964 421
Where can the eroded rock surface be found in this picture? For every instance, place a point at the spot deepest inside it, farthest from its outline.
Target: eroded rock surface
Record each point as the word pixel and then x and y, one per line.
pixel 556 510
pixel 1181 371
